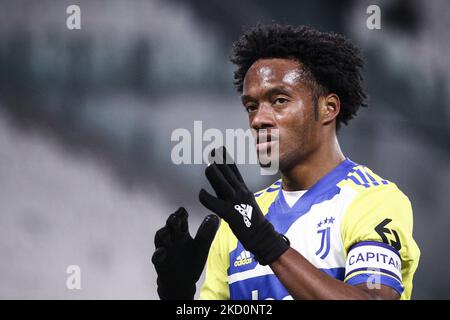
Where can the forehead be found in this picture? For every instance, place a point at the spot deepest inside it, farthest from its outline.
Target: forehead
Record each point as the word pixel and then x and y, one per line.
pixel 265 72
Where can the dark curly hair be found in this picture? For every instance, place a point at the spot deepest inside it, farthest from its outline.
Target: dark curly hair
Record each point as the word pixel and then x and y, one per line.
pixel 333 62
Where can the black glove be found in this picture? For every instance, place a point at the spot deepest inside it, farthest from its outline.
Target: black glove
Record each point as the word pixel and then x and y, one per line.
pixel 179 260
pixel 237 206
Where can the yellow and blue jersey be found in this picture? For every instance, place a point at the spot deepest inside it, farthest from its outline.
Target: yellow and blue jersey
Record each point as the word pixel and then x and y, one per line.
pixel 352 224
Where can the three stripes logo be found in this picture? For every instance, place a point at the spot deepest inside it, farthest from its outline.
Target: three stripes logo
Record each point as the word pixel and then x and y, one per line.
pixel 243 259
pixel 246 211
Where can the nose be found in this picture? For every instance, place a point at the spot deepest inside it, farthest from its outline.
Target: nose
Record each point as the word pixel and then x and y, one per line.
pixel 263 118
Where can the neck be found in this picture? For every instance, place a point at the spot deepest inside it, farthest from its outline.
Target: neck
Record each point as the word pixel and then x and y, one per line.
pixel 311 169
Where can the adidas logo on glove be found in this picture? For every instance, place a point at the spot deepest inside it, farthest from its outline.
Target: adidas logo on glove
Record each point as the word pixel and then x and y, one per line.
pixel 246 211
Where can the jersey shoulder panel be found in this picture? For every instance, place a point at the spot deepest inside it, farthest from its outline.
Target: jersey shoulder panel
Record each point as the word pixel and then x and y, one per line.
pixel 365 216
pixel 267 196
pixel 361 179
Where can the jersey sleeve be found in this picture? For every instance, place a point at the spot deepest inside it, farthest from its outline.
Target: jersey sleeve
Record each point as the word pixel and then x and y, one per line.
pixel 215 286
pixel 377 233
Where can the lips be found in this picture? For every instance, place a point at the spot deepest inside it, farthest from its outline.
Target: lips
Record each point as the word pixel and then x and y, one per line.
pixel 264 138
pixel 265 141
pixel 265 146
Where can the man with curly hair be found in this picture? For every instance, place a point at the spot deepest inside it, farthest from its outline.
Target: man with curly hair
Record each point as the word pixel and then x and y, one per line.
pixel 329 228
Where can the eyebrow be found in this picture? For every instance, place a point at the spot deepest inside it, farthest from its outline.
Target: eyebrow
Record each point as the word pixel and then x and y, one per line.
pixel 271 92
pixel 277 90
pixel 246 98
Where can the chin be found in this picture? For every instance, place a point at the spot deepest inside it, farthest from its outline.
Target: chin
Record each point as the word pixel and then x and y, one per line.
pixel 265 164
pixel 270 162
pixel 286 163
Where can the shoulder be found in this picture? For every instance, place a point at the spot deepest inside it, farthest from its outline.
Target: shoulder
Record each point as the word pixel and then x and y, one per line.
pixel 266 196
pixel 361 178
pixel 370 189
pixel 276 186
pixel 378 210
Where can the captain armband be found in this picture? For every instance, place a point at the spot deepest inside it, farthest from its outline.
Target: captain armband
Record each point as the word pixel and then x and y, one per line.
pixel 374 263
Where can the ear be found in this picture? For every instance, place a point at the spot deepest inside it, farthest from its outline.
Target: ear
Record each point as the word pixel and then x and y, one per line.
pixel 329 108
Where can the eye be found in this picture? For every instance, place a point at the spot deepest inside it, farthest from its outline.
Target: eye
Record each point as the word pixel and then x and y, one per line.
pixel 280 101
pixel 251 108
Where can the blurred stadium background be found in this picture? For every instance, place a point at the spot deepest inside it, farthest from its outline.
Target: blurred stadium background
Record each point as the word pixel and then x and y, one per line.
pixel 86 118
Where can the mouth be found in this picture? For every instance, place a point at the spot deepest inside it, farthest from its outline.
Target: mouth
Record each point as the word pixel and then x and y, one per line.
pixel 265 142
pixel 265 146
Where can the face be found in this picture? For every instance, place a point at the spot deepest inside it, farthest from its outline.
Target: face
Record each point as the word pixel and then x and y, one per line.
pixel 276 95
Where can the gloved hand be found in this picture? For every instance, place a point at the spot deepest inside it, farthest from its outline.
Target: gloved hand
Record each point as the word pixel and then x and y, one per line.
pixel 179 260
pixel 236 204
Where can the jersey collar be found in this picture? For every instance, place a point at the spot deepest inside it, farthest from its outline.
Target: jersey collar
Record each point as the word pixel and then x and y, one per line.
pixel 322 190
